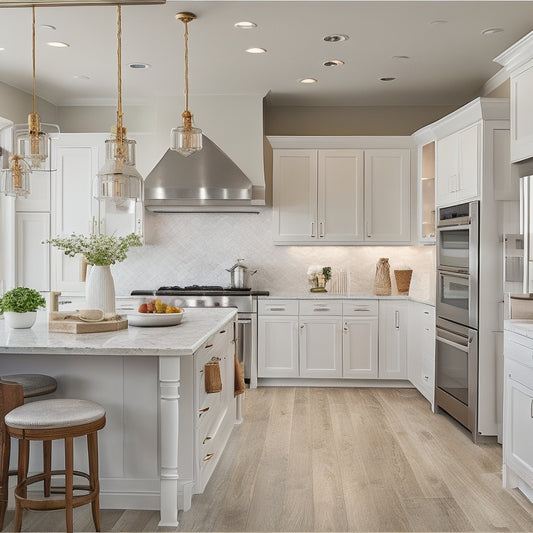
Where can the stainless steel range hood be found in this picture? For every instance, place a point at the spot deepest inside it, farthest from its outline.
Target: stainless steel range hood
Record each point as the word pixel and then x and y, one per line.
pixel 206 181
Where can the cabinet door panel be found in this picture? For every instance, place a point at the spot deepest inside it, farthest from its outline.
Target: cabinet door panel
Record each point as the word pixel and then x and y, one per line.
pixel 295 195
pixel 387 195
pixel 74 210
pixel 521 112
pixel 447 169
pixel 277 353
pixel 469 163
pixel 393 339
pixel 360 348
pixel 340 195
pixel 33 257
pixel 320 347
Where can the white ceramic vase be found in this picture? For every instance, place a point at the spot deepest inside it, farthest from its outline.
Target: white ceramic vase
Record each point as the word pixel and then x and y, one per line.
pixel 20 320
pixel 100 289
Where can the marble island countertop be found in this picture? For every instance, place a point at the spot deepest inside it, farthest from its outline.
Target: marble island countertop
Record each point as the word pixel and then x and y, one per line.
pixel 330 296
pixel 520 326
pixel 196 327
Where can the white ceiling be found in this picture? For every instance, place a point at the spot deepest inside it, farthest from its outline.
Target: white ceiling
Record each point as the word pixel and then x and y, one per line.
pixel 448 63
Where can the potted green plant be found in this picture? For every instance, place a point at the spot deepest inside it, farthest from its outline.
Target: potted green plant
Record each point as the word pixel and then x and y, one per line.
pixel 100 251
pixel 19 307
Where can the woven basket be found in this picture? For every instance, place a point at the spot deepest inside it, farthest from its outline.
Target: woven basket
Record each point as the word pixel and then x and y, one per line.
pixel 213 380
pixel 403 280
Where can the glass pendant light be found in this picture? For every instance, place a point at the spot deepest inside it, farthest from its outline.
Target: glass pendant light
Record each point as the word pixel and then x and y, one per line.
pixel 119 180
pixel 186 139
pixel 33 144
pixel 15 181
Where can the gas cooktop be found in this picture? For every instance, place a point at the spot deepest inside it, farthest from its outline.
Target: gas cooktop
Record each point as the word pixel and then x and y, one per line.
pixel 189 290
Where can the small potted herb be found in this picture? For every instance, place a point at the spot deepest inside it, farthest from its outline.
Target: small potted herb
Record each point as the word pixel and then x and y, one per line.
pixel 19 306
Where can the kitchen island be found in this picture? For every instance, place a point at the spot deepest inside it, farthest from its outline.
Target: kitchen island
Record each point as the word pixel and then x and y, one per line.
pixel 164 434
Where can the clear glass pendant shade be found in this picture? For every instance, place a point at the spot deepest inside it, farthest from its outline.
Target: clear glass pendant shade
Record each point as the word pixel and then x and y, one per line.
pixel 185 140
pixel 15 180
pixel 33 147
pixel 119 180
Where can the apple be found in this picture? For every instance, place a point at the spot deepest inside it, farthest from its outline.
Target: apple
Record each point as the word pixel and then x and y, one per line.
pixel 143 308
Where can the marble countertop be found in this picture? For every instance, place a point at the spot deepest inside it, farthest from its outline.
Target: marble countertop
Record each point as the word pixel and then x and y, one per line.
pixel 520 326
pixel 330 296
pixel 196 327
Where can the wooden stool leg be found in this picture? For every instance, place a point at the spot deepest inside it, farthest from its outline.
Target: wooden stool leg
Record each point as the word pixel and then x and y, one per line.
pixel 92 448
pixel 69 482
pixel 47 466
pixel 23 463
pixel 5 450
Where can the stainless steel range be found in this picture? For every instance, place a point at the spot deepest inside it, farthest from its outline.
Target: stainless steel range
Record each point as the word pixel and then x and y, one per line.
pixel 244 300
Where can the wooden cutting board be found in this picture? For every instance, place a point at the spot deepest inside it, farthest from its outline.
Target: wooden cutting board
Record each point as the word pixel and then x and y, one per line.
pixel 64 322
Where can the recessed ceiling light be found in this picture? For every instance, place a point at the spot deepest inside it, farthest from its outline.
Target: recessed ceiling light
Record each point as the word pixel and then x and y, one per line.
pixel 58 44
pixel 438 22
pixel 81 77
pixel 256 50
pixel 333 63
pixel 1 49
pixel 399 58
pixel 139 65
pixel 308 80
pixel 336 38
pixel 387 78
pixel 47 27
pixel 245 25
pixel 491 31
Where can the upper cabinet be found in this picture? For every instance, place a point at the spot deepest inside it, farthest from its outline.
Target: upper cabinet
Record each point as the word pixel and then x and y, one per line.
pixel 341 195
pixel 518 63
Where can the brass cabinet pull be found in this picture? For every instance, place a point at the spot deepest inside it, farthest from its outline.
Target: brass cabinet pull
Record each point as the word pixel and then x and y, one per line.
pixel 208 438
pixel 202 411
pixel 208 457
pixel 208 345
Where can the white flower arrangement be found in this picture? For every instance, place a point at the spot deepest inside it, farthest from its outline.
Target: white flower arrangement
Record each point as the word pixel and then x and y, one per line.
pixel 313 271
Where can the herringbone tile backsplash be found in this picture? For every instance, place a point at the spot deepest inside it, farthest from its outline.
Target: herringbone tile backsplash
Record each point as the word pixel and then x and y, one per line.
pixel 197 248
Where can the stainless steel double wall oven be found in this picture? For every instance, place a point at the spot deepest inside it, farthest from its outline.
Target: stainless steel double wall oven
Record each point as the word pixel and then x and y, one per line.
pixel 456 383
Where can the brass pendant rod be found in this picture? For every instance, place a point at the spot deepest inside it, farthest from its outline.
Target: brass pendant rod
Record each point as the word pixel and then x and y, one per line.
pixel 186 36
pixel 33 52
pixel 119 76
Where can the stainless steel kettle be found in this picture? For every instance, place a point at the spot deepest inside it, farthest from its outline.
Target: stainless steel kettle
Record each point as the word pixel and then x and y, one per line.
pixel 240 275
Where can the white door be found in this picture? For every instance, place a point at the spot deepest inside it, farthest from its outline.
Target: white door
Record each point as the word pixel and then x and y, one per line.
pixel 295 195
pixel 277 347
pixel 33 257
pixel 340 195
pixel 360 348
pixel 447 169
pixel 320 347
pixel 78 158
pixel 387 195
pixel 393 339
pixel 469 163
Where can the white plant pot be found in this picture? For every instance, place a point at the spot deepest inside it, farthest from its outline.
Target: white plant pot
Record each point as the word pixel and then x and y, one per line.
pixel 20 320
pixel 100 289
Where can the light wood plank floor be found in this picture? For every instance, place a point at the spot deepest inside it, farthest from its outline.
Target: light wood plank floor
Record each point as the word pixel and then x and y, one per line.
pixel 339 459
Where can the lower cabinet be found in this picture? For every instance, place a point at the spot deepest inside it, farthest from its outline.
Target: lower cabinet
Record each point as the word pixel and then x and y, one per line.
pixel 320 347
pixel 421 348
pixel 393 317
pixel 518 414
pixel 354 339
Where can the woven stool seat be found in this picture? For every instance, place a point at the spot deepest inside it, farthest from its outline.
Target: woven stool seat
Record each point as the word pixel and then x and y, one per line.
pixel 57 413
pixel 33 384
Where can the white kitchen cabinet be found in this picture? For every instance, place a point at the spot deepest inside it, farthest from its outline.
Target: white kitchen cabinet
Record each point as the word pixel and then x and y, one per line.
pixel 426 194
pixel 32 257
pixel 518 413
pixel 74 210
pixel 318 196
pixel 360 339
pixel 277 339
pixel 39 198
pixel 387 195
pixel 421 348
pixel 393 326
pixel 458 166
pixel 320 346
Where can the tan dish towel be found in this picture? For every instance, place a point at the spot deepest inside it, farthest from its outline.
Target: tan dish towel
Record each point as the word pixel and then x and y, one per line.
pixel 239 377
pixel 213 380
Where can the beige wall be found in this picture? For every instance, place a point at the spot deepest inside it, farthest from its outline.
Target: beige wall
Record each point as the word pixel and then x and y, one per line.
pixel 386 120
pixel 15 105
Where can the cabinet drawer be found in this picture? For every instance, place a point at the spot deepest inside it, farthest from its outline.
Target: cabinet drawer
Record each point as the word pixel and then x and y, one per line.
pixel 360 308
pixel 519 373
pixel 277 307
pixel 328 307
pixel 518 352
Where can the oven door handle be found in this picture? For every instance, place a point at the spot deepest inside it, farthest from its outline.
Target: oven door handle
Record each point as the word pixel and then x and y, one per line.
pixel 455 226
pixel 456 345
pixel 453 273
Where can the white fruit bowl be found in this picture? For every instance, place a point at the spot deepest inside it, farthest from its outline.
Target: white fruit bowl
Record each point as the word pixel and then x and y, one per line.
pixel 154 319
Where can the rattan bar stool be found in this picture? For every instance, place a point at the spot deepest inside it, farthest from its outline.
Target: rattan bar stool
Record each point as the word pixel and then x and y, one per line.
pixel 32 385
pixel 48 420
